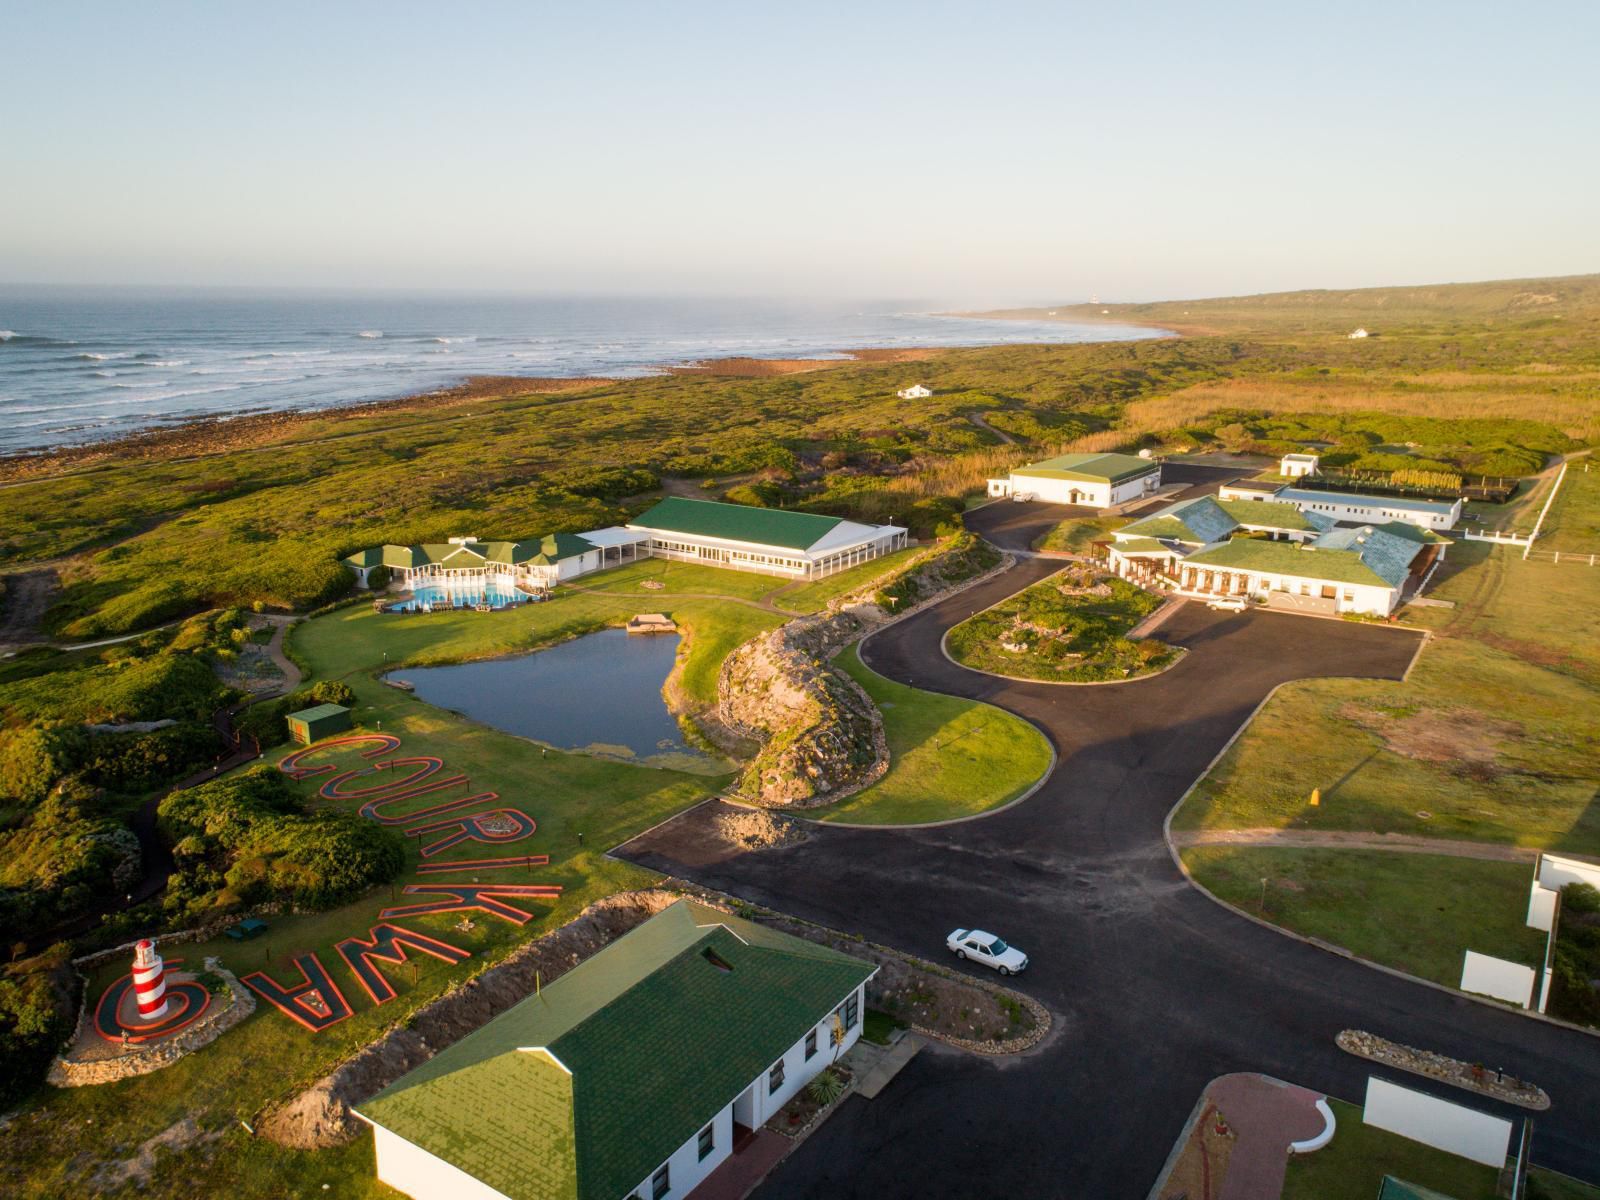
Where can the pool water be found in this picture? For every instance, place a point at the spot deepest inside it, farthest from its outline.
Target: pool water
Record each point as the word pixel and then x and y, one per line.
pixel 429 596
pixel 600 693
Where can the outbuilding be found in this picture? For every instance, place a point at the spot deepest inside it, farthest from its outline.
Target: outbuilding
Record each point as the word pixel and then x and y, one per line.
pixel 771 541
pixel 313 724
pixel 1090 480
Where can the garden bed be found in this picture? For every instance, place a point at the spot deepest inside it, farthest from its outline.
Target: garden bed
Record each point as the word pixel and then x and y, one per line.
pixel 1069 628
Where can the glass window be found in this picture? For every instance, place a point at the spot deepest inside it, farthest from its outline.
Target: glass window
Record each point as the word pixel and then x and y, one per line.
pixel 811 1044
pixel 661 1183
pixel 775 1077
pixel 852 1011
pixel 708 1139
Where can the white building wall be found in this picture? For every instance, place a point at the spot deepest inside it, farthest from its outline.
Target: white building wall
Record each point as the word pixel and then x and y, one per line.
pixel 1498 977
pixel 1330 504
pixel 1132 489
pixel 409 1168
pixel 1556 872
pixel 685 1166
pixel 1062 491
pixel 1437 1123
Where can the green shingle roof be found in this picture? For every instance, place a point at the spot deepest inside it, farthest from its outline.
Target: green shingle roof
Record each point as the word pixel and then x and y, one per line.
pixel 1143 545
pixel 1171 529
pixel 584 1089
pixel 737 522
pixel 551 548
pixel 1270 514
pixel 1287 558
pixel 1091 468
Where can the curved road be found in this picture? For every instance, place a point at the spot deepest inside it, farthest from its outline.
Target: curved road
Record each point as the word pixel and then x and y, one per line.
pixel 1156 989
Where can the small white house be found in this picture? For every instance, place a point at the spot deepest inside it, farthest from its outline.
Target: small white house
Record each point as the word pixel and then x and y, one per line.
pixel 1296 466
pixel 1359 333
pixel 633 1076
pixel 915 392
pixel 1090 480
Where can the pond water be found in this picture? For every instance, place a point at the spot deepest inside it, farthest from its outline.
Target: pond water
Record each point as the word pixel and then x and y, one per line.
pixel 600 693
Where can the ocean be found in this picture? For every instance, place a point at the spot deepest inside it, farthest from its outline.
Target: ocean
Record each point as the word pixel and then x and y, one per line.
pixel 84 365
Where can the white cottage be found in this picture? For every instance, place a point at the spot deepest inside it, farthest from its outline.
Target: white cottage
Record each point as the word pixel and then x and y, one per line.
pixel 633 1076
pixel 1090 480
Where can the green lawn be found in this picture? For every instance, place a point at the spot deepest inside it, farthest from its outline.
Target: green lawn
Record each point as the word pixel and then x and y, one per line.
pixel 1076 534
pixel 947 757
pixel 814 597
pixel 1352 1166
pixel 1573 523
pixel 1418 913
pixel 1479 744
pixel 1065 632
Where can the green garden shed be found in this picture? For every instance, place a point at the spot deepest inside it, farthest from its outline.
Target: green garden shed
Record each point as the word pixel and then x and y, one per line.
pixel 313 724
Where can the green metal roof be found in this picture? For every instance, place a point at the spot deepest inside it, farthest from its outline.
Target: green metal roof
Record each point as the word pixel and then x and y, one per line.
pixel 318 713
pixel 582 1090
pixel 551 548
pixel 1091 468
pixel 1415 533
pixel 1288 558
pixel 737 522
pixel 1171 528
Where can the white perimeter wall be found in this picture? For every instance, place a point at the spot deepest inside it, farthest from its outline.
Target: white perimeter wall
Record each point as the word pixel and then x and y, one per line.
pixel 1556 872
pixel 409 1168
pixel 1437 1123
pixel 1497 977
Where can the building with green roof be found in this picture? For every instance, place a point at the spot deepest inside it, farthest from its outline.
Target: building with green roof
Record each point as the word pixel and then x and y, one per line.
pixel 315 723
pixel 1090 480
pixel 465 564
pixel 635 1074
pixel 1275 552
pixel 771 541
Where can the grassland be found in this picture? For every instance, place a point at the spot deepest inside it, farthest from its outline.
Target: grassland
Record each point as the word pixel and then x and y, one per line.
pixel 948 757
pixel 1069 628
pixel 1076 535
pixel 1416 912
pixel 1572 525
pixel 1491 738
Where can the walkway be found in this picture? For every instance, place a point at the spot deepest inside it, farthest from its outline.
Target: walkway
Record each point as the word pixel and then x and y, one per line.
pixel 1156 989
pixel 1266 1115
pixel 1317 839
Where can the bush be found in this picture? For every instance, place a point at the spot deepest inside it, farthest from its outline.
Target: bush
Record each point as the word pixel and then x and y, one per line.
pixel 760 494
pixel 1580 898
pixel 31 760
pixel 33 1021
pixel 137 762
pixel 825 1088
pixel 247 839
pixel 378 577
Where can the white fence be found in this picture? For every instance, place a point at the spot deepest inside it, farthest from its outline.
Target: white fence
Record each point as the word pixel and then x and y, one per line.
pixel 1498 977
pixel 1438 1123
pixel 1503 539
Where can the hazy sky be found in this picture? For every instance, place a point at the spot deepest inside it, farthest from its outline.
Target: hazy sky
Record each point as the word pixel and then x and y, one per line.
pixel 969 153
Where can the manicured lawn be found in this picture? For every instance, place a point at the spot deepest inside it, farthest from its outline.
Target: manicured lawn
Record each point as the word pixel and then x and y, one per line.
pixel 948 757
pixel 681 577
pixel 1418 913
pixel 814 597
pixel 1479 744
pixel 1352 1166
pixel 1550 1185
pixel 878 1027
pixel 1076 534
pixel 1573 523
pixel 1061 631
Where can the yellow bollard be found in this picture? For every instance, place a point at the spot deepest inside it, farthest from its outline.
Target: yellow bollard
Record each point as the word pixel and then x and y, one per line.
pixel 1316 797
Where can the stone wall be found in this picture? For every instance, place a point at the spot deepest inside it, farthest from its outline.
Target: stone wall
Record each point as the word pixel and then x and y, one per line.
pixel 224 1012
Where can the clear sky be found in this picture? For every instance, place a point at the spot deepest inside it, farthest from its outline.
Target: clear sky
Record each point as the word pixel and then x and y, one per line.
pixel 969 153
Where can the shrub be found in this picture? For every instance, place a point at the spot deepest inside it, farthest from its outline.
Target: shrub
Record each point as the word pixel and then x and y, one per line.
pixel 378 577
pixel 135 762
pixel 825 1088
pixel 1580 898
pixel 761 494
pixel 33 1021
pixel 31 760
pixel 247 838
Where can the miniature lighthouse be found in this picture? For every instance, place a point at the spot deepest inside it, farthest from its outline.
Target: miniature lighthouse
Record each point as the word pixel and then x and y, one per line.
pixel 149 982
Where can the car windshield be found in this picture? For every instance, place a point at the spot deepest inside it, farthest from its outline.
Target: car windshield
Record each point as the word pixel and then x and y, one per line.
pixel 997 947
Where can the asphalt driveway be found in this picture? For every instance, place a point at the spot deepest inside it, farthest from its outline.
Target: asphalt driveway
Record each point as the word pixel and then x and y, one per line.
pixel 1156 990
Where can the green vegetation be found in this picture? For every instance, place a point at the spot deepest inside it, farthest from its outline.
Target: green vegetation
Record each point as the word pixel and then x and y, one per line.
pixel 266 723
pixel 1572 525
pixel 1352 1166
pixel 878 1027
pixel 36 1012
pixel 1075 535
pixel 1416 912
pixel 1573 994
pixel 1069 628
pixel 247 839
pixel 814 597
pixel 947 757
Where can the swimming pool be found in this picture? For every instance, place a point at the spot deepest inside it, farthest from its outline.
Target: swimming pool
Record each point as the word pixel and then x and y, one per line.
pixel 429 596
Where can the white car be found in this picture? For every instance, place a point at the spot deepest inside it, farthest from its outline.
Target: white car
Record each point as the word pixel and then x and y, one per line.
pixel 1232 604
pixel 987 949
pixel 1021 497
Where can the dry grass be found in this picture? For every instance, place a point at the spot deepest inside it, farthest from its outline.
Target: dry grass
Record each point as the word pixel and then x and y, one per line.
pixel 1573 407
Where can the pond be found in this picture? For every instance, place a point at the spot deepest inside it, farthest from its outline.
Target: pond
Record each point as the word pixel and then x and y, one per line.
pixel 599 693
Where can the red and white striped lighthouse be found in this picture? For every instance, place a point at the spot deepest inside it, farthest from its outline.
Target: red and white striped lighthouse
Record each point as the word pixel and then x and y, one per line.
pixel 149 982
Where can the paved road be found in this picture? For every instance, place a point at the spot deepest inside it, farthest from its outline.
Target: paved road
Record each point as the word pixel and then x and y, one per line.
pixel 1156 989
